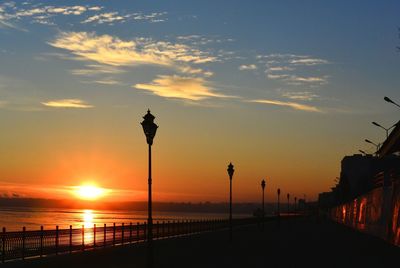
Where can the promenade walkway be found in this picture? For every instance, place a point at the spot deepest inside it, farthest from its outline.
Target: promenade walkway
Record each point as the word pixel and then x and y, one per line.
pixel 296 243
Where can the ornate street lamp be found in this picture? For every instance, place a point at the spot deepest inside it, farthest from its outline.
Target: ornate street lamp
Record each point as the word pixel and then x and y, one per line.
pixel 150 129
pixel 288 202
pixel 230 173
pixel 279 193
pixel 295 204
pixel 263 207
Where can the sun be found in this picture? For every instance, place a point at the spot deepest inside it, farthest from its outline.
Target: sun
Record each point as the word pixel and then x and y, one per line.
pixel 89 192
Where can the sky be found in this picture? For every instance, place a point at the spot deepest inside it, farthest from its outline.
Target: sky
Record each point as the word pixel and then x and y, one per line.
pixel 282 89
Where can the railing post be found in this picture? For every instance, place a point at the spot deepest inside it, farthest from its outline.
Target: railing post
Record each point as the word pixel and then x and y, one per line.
pixel 158 229
pixel 130 232
pixel 41 241
pixel 23 242
pixel 57 240
pixel 3 241
pixel 122 235
pixel 94 235
pixel 145 231
pixel 114 234
pixel 70 239
pixel 83 237
pixel 105 235
pixel 137 231
pixel 168 229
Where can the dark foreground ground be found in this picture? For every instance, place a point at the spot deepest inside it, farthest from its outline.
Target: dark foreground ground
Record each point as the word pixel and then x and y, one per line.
pixel 297 243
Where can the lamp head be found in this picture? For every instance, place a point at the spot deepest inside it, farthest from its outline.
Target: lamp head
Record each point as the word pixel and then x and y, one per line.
pixel 149 127
pixel 263 184
pixel 388 99
pixel 230 170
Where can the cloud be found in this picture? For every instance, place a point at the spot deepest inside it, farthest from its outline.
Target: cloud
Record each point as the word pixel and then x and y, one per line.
pixel 294 105
pixel 310 79
pixel 37 13
pixel 108 17
pixel 303 96
pixel 95 69
pixel 189 88
pixel 111 17
pixel 67 103
pixel 109 50
pixel 247 67
pixel 108 81
pixel 277 76
pixel 308 61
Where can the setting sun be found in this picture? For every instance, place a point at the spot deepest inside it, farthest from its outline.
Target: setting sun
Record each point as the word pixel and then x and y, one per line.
pixel 89 192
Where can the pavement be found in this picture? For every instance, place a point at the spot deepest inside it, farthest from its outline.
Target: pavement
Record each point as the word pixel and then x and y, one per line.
pixel 297 242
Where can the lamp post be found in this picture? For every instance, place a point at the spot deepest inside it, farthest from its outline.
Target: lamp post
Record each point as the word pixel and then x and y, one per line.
pixel 386 129
pixel 377 145
pixel 389 100
pixel 150 129
pixel 279 193
pixel 288 202
pixel 295 204
pixel 230 173
pixel 263 208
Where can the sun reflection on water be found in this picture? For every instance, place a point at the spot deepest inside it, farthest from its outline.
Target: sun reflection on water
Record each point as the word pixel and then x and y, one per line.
pixel 88 222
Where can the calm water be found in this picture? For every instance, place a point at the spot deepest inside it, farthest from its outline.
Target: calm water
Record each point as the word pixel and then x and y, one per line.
pixel 32 218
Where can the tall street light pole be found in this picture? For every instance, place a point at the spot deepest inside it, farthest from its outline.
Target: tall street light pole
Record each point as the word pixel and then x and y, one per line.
pixel 150 129
pixel 230 173
pixel 279 193
pixel 263 207
pixel 295 204
pixel 288 203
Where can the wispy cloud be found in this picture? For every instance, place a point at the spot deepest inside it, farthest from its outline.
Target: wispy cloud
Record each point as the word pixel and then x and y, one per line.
pixel 108 17
pixel 95 69
pixel 106 49
pixel 10 13
pixel 293 105
pixel 67 103
pixel 303 96
pixel 188 88
pixel 247 67
pixel 308 61
pixel 108 81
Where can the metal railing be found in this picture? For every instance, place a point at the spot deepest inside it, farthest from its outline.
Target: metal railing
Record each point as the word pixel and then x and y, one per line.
pixel 26 244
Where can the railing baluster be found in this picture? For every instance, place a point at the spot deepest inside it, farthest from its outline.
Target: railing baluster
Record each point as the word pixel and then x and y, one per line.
pixel 3 241
pixel 105 235
pixel 137 231
pixel 23 242
pixel 94 235
pixel 145 231
pixel 41 241
pixel 122 235
pixel 158 229
pixel 57 240
pixel 83 237
pixel 114 234
pixel 130 232
pixel 168 229
pixel 70 239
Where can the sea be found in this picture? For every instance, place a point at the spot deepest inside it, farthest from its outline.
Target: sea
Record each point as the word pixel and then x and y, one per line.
pixel 14 219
